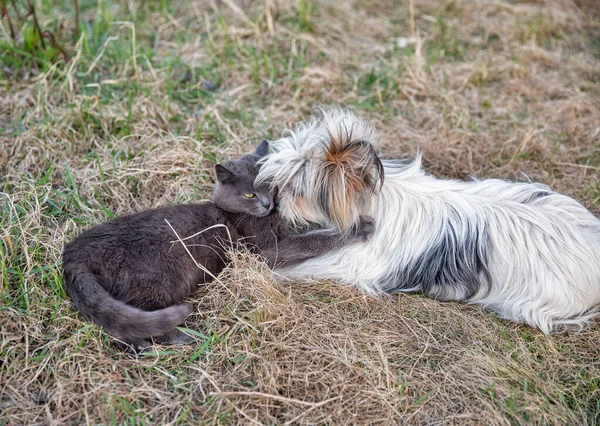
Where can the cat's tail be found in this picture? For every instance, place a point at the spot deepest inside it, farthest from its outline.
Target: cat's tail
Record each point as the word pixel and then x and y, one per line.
pixel 116 317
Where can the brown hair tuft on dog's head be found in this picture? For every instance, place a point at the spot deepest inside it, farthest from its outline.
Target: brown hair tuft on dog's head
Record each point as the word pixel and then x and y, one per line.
pixel 351 173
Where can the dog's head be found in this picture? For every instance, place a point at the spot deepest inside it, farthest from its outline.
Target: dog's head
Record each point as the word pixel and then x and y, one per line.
pixel 326 170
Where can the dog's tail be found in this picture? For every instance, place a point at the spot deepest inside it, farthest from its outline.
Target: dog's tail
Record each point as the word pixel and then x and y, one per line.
pixel 115 316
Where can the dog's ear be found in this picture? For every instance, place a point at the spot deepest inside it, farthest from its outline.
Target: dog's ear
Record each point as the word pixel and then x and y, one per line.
pixel 224 175
pixel 263 149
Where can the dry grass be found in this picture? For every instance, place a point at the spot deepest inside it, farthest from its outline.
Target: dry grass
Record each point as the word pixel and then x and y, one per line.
pixel 486 88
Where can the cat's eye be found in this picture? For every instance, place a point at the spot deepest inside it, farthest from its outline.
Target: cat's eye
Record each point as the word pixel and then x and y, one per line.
pixel 250 195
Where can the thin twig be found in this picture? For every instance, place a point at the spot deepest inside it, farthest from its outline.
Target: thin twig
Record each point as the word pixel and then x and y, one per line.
pixel 218 225
pixel 582 166
pixel 36 24
pixel 304 413
pixel 204 269
pixel 10 25
pixel 225 126
pixel 14 3
pixel 269 16
pixel 238 11
pixel 54 44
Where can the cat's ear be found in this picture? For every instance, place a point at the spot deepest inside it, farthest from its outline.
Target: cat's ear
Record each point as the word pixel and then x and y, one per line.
pixel 224 175
pixel 263 149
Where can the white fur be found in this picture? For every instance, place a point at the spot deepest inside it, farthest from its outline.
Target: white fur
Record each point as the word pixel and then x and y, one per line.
pixel 541 248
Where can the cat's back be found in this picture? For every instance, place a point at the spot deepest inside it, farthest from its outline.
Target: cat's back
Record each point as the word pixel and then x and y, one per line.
pixel 145 229
pixel 183 218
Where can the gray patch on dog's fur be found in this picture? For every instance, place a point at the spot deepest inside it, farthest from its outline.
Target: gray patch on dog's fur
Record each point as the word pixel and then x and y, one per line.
pixel 453 268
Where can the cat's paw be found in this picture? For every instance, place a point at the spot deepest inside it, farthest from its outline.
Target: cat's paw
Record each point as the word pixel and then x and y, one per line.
pixel 135 346
pixel 175 337
pixel 364 229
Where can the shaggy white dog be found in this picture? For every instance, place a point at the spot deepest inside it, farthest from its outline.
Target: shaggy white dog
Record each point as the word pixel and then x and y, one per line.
pixel 528 253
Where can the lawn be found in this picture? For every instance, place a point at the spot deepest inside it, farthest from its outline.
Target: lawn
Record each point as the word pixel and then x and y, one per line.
pixel 132 107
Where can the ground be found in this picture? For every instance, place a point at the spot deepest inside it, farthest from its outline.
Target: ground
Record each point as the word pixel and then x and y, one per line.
pixel 134 110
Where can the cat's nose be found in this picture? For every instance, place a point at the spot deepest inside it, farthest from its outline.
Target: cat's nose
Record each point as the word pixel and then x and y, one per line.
pixel 266 202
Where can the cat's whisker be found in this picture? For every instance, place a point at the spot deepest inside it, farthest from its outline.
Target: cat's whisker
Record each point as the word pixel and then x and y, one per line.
pixel 243 217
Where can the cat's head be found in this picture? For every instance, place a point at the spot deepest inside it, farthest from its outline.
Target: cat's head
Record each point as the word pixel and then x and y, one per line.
pixel 235 191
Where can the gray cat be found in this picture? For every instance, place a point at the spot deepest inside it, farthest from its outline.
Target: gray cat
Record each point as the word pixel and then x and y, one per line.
pixel 127 276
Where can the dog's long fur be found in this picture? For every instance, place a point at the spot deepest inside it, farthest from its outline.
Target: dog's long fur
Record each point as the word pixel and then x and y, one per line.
pixel 528 253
